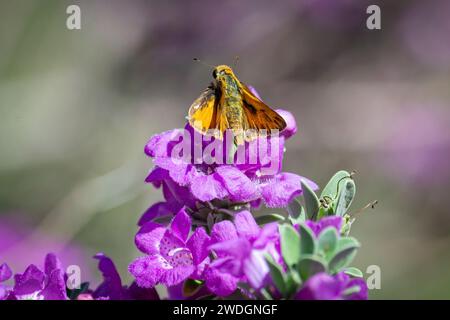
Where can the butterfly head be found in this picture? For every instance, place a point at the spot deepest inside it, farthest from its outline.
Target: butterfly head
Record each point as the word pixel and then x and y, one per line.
pixel 222 71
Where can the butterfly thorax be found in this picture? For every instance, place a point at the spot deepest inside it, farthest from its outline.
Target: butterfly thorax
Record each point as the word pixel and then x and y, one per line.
pixel 231 101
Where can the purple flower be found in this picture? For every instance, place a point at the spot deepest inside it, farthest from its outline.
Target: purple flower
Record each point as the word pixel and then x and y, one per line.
pixel 35 284
pixel 428 43
pixel 188 170
pixel 240 250
pixel 172 256
pixel 319 226
pixel 112 289
pixel 323 286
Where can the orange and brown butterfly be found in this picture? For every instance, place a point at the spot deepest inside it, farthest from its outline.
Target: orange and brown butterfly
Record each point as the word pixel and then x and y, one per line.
pixel 229 104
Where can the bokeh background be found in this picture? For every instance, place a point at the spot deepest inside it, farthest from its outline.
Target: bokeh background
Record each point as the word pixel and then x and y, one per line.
pixel 77 107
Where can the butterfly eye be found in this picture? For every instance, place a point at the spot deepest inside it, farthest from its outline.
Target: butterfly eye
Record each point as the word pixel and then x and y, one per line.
pixel 215 74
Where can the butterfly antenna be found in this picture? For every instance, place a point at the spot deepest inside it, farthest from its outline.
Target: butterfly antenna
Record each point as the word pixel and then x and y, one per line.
pixel 368 206
pixel 203 63
pixel 235 62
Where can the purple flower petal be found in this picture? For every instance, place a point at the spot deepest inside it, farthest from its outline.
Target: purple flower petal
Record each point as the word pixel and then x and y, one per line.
pixel 149 237
pixel 198 245
pixel 238 185
pixel 281 189
pixel 181 172
pixel 147 270
pixel 56 286
pixel 246 225
pixel 320 287
pixel 51 263
pixel 176 275
pixel 156 176
pixel 220 283
pixel 111 287
pixel 159 144
pixel 208 187
pixel 239 248
pixel 268 234
pixel 157 210
pixel 319 226
pixel 255 269
pixel 181 225
pixel 32 280
pixel 326 287
pixel 229 265
pixel 223 231
pixel 5 272
pixel 177 196
pixel 291 125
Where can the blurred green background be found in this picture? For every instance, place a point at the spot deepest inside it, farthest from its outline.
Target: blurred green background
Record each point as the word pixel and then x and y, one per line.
pixel 77 107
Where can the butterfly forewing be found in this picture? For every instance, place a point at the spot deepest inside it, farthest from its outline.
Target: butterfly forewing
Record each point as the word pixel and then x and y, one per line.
pixel 259 119
pixel 204 113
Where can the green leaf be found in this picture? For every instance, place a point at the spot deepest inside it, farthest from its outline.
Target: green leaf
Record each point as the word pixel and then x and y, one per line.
pixel 191 287
pixel 346 242
pixel 296 212
pixel 293 283
pixel 347 192
pixel 310 265
pixel 290 245
pixel 311 201
pixel 267 218
pixel 323 212
pixel 344 254
pixel 331 189
pixel 354 272
pixel 348 221
pixel 328 240
pixel 276 272
pixel 307 240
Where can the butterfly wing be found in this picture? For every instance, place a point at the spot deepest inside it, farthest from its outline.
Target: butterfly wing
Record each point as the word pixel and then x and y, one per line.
pixel 204 113
pixel 258 116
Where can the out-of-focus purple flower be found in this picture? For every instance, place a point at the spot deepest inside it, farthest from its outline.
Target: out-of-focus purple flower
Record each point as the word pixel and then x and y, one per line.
pixel 112 289
pixel 35 284
pixel 240 250
pixel 171 255
pixel 5 274
pixel 323 286
pixel 317 227
pixel 344 14
pixel 21 246
pixel 428 42
pixel 418 146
